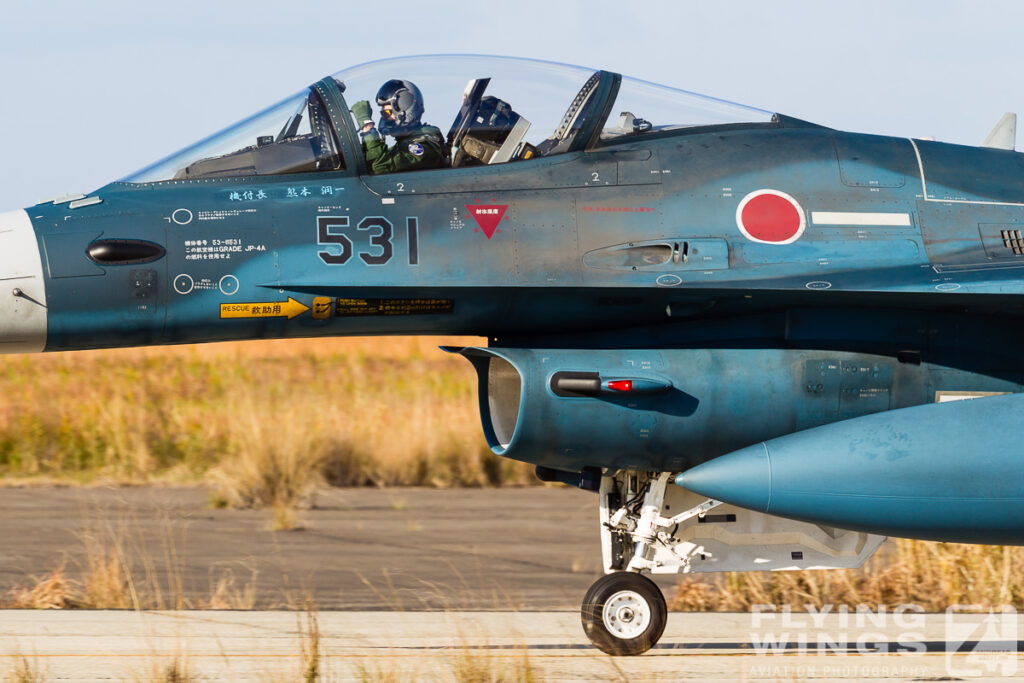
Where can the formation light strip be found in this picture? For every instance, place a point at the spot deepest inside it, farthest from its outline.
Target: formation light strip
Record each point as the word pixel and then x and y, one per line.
pixel 850 218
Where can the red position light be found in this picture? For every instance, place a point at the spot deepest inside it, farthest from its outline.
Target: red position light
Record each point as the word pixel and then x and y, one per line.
pixel 621 385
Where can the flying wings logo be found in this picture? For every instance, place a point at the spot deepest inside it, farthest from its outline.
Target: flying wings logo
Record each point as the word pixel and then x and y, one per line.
pixel 487 216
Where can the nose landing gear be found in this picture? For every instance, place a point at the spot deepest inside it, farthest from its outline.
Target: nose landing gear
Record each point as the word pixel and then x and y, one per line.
pixel 624 613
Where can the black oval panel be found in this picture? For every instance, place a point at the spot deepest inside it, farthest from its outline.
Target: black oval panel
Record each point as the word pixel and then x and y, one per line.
pixel 124 252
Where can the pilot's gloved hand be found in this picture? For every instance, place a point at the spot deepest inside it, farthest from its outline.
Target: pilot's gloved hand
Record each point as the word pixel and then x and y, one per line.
pixel 363 113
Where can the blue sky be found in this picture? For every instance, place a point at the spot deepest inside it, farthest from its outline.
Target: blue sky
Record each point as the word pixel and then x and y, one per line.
pixel 93 91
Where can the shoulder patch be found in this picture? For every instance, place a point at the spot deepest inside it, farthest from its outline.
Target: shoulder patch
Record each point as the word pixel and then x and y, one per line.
pixel 416 148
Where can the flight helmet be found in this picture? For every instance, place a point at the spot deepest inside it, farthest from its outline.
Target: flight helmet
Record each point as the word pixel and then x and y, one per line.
pixel 401 105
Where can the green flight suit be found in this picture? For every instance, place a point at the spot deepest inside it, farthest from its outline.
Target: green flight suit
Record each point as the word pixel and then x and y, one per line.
pixel 422 148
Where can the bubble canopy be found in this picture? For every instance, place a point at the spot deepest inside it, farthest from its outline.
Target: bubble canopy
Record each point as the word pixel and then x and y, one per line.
pixel 493 109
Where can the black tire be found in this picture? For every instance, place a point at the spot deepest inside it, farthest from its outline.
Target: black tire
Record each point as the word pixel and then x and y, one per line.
pixel 636 614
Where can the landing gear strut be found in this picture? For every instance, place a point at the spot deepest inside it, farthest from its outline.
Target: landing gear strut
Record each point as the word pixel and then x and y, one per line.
pixel 624 613
pixel 649 527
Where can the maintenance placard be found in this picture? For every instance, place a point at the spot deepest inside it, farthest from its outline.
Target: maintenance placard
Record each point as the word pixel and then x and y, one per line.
pixel 356 307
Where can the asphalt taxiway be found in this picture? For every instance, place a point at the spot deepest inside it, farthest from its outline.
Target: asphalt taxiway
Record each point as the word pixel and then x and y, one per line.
pixel 360 548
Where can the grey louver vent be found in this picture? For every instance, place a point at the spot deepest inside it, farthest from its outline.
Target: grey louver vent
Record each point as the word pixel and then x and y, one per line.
pixel 1012 240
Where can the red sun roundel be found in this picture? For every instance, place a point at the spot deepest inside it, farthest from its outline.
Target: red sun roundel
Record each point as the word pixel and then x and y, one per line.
pixel 770 217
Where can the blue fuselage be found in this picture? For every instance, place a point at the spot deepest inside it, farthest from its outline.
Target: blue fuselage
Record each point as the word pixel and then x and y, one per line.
pixel 778 276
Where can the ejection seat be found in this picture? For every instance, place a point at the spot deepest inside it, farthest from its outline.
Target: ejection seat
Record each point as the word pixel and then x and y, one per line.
pixel 487 130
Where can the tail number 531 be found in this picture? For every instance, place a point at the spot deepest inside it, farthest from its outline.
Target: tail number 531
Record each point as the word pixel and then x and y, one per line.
pixel 373 235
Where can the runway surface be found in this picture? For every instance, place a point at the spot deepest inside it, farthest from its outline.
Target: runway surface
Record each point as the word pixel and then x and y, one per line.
pixel 550 646
pixel 525 548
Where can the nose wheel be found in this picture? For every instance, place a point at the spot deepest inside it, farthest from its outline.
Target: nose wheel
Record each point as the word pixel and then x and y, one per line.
pixel 624 613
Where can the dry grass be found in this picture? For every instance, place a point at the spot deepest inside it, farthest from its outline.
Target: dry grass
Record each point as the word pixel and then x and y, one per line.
pixel 176 670
pixel 51 591
pixel 24 671
pixel 227 592
pixel 932 575
pixel 108 584
pixel 467 665
pixel 264 422
pixel 309 639
pixel 474 666
pixel 109 580
pixel 117 572
pixel 375 673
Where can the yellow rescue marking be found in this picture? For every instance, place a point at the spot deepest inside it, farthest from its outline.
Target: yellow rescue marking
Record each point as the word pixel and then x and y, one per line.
pixel 321 307
pixel 275 309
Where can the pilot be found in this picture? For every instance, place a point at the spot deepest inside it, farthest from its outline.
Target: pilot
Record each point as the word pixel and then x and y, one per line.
pixel 417 146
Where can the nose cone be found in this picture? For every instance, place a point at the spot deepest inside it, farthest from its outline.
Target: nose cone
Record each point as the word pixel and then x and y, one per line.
pixel 742 478
pixel 22 288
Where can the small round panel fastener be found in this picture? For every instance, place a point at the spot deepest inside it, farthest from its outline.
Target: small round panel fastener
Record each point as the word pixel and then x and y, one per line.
pixel 228 284
pixel 770 217
pixel 183 283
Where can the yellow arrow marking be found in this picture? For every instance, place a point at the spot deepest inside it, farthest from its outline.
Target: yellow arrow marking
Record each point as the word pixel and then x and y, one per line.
pixel 274 309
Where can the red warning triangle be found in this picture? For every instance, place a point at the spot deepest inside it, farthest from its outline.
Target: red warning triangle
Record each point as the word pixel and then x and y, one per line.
pixel 487 216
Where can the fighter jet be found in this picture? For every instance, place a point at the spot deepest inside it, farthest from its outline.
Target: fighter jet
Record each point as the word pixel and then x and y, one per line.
pixel 750 335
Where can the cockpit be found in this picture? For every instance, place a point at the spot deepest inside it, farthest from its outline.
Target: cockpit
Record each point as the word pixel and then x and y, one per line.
pixel 494 110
